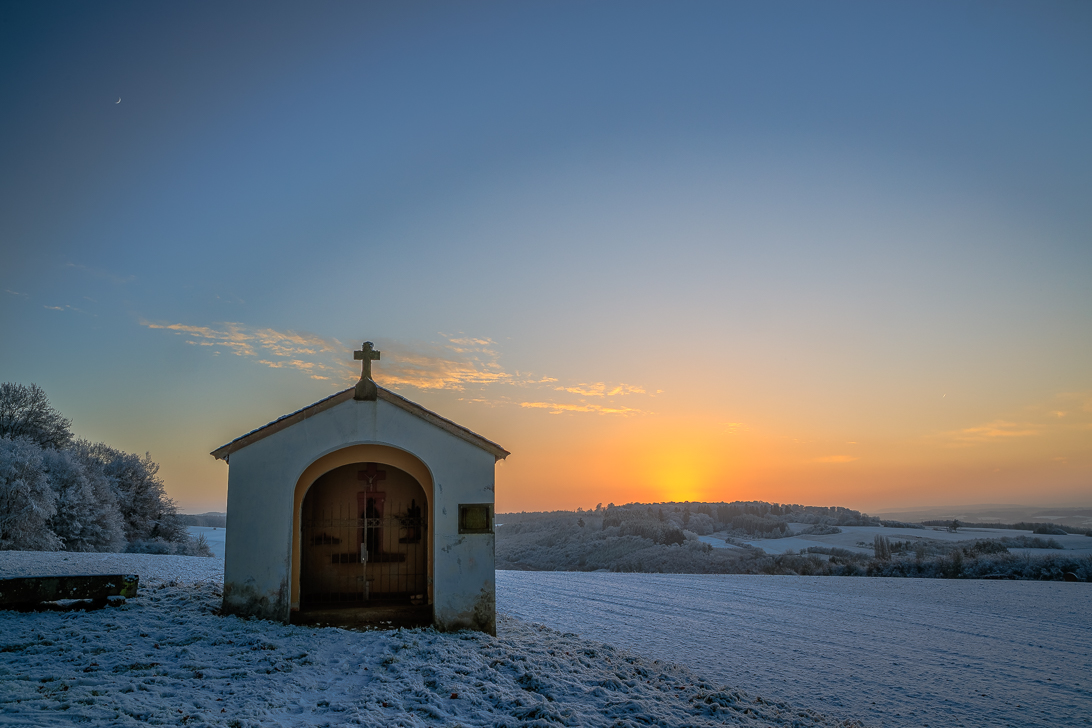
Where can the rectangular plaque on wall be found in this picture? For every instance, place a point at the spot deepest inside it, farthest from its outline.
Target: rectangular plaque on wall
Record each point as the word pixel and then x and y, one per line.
pixel 475 518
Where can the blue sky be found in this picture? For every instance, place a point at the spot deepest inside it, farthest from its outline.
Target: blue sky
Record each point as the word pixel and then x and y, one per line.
pixel 580 229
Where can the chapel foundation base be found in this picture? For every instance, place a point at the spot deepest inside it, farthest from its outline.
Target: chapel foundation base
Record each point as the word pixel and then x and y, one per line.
pixel 395 616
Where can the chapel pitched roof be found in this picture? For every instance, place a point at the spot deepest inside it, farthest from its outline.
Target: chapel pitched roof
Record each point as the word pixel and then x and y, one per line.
pixel 222 453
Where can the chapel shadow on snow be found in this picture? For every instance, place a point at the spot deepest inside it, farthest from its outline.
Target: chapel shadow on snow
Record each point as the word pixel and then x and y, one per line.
pixel 364 538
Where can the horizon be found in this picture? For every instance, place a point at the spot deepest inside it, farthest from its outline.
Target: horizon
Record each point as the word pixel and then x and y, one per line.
pixel 831 254
pixel 921 509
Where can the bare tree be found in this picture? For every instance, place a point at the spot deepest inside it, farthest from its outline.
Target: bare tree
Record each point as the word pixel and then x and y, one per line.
pixel 26 412
pixel 881 548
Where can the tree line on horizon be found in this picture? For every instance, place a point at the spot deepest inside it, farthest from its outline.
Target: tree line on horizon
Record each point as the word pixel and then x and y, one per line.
pixel 1043 529
pixel 60 493
pixel 751 519
pixel 665 538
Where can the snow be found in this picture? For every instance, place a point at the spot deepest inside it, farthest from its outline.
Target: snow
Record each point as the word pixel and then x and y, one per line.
pixel 717 543
pixel 1069 542
pixel 852 537
pixel 794 543
pixel 166 658
pixel 152 568
pixel 890 652
pixel 215 538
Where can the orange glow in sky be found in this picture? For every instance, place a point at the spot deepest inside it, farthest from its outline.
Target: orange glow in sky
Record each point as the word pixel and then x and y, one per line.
pixel 714 251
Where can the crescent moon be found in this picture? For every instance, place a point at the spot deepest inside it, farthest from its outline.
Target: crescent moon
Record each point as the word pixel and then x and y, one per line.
pixel 118 101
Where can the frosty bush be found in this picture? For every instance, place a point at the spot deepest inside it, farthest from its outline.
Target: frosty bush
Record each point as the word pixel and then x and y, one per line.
pixel 146 511
pixel 188 546
pixel 702 524
pixel 1030 542
pixel 26 500
pixel 820 529
pixel 988 546
pixel 661 533
pixel 1049 529
pixel 87 516
pixel 56 493
pixel 900 524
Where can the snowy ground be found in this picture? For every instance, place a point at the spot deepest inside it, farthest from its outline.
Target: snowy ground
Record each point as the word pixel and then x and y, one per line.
pixel 860 538
pixel 890 652
pixel 151 568
pixel 165 658
pixel 717 543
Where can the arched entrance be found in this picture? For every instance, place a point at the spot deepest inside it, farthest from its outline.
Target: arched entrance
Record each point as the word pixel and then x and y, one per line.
pixel 363 538
pixel 362 552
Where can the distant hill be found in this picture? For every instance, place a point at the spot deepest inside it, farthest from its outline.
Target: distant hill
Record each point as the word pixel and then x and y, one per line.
pixel 211 519
pixel 677 538
pixel 995 513
pixel 658 537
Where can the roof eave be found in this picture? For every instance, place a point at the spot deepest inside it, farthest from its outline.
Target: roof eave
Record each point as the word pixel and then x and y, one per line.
pixel 281 423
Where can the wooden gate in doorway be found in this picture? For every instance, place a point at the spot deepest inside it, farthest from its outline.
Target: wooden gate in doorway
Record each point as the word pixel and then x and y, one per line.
pixel 371 552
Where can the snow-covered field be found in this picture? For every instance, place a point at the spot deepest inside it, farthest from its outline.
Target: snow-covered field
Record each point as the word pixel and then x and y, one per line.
pixel 166 658
pixel 891 652
pixel 860 538
pixel 717 543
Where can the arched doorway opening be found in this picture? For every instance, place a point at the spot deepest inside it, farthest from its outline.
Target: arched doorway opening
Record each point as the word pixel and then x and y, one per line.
pixel 363 537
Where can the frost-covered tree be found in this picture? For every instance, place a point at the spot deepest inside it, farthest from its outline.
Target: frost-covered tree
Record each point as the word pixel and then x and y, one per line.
pixel 146 511
pixel 26 500
pixel 26 412
pixel 87 516
pixel 56 493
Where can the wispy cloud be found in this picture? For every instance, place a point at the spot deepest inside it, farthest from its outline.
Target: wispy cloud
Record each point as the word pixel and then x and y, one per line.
pixel 68 307
pixel 315 355
pixel 459 363
pixel 835 459
pixel 442 367
pixel 557 408
pixel 602 389
pixel 998 430
pixel 1057 420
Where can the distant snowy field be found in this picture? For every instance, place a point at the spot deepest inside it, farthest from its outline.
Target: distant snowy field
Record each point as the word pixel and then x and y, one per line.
pixel 860 538
pixel 215 538
pixel 165 658
pixel 890 652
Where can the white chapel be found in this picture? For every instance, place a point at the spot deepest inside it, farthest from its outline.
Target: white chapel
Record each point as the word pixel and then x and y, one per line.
pixel 362 509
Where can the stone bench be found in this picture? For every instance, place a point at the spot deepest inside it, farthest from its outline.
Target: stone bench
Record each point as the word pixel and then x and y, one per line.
pixel 32 592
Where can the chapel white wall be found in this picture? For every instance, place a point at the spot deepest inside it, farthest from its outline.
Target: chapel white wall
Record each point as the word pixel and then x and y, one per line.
pixel 261 487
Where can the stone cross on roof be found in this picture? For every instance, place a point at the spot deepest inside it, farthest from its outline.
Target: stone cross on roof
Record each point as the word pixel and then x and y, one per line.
pixel 366 356
pixel 365 388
